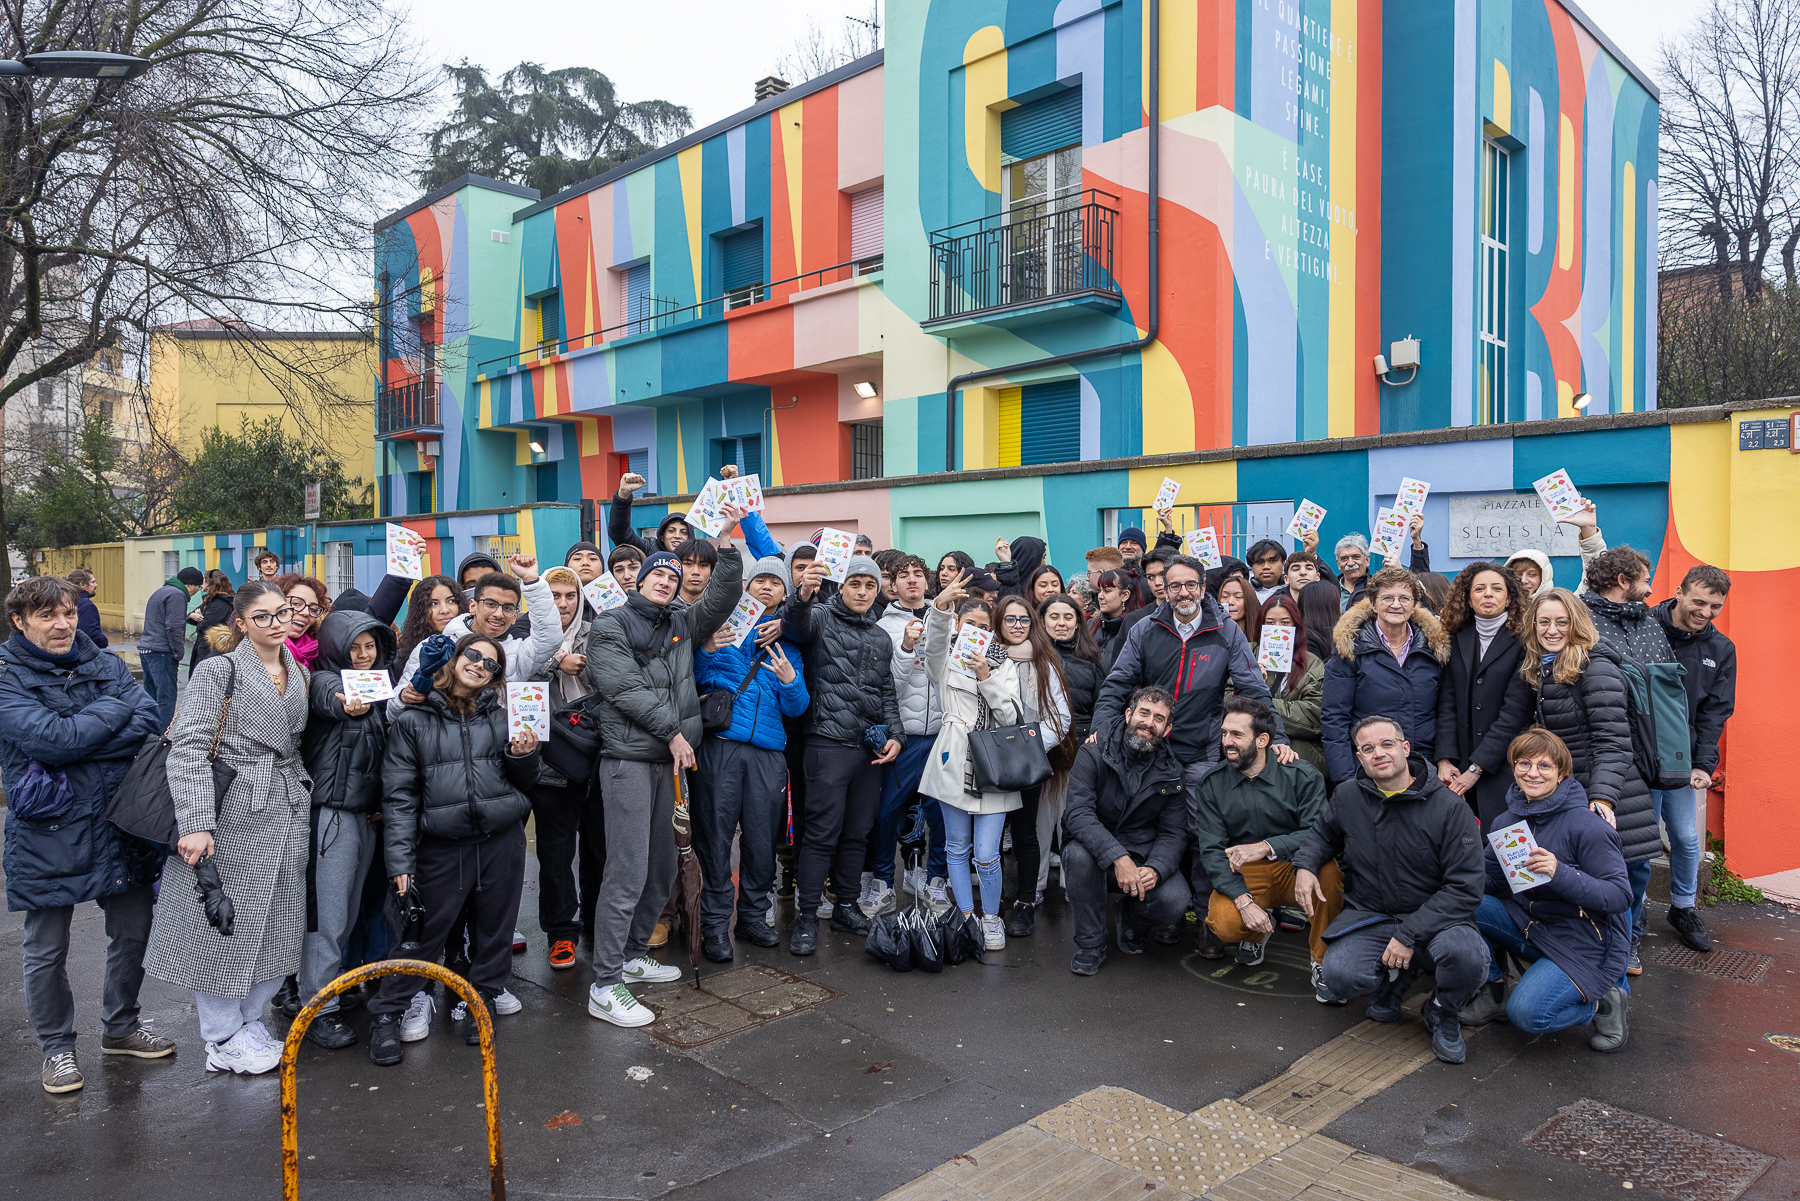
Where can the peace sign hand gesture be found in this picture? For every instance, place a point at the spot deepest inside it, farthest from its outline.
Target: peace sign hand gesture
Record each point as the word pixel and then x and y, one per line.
pixel 779 663
pixel 954 592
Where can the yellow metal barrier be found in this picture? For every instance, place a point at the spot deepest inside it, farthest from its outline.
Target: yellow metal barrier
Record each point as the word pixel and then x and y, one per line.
pixel 490 1087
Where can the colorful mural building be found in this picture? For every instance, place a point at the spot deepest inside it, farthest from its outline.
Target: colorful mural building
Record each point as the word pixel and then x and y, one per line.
pixel 1004 276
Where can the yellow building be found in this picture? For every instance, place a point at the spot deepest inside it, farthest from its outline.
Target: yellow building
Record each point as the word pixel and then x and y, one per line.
pixel 320 384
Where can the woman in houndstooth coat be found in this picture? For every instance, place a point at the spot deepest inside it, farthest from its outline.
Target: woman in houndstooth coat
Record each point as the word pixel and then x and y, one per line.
pixel 258 839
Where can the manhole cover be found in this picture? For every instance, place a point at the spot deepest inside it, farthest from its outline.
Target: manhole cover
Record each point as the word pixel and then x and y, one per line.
pixel 728 1002
pixel 1727 963
pixel 1649 1153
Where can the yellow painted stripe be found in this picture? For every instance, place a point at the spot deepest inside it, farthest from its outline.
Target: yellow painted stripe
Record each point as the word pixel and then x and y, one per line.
pixel 1501 121
pixel 688 162
pixel 680 458
pixel 984 88
pixel 527 537
pixel 1168 404
pixel 1565 199
pixel 775 476
pixel 1341 357
pixel 790 116
pixel 1201 484
pixel 1628 309
pixel 1180 47
pixel 1010 448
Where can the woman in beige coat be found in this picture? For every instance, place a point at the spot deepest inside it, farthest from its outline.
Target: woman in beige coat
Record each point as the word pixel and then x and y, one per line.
pixel 1001 689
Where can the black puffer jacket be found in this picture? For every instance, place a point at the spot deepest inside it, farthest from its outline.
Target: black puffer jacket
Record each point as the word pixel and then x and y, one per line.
pixel 1082 679
pixel 849 670
pixel 1589 715
pixel 1710 660
pixel 449 776
pixel 342 753
pixel 1631 628
pixel 640 663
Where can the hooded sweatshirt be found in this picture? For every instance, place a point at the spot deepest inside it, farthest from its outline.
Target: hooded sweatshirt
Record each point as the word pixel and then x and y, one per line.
pixel 1027 557
pixel 343 753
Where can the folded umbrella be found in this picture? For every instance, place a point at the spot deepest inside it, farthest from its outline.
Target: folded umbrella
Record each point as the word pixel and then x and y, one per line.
pixel 687 883
pixel 221 914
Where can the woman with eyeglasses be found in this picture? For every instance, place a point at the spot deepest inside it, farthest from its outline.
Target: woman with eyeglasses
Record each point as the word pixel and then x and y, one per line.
pixel 1569 924
pixel 310 604
pixel 256 835
pixel 1581 699
pixel 454 801
pixel 1390 657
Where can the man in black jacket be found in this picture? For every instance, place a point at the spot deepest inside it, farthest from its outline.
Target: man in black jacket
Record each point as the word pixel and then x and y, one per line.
pixel 640 664
pixel 1127 811
pixel 1709 660
pixel 855 732
pixel 1411 855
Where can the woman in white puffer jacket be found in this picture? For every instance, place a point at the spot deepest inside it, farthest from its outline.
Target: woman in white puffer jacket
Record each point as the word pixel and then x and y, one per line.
pixel 1004 690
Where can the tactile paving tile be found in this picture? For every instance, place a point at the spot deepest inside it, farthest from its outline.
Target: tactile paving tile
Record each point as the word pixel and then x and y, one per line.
pixel 1138 1116
pixel 1245 1125
pixel 1086 1129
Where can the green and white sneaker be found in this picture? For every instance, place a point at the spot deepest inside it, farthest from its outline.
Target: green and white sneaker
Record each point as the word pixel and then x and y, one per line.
pixel 645 970
pixel 615 1004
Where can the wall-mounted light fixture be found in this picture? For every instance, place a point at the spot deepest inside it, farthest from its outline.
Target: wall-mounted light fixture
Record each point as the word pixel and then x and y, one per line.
pixel 537 448
pixel 1583 400
pixel 866 390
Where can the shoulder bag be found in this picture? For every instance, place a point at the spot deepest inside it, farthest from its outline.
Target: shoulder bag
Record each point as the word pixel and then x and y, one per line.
pixel 143 807
pixel 1009 758
pixel 574 743
pixel 717 706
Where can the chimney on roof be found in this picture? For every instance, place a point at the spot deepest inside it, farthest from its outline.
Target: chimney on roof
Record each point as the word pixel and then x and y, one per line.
pixel 768 86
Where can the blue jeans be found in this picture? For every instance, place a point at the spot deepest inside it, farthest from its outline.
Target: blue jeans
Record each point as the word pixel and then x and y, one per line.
pixel 1545 999
pixel 1679 810
pixel 160 669
pixel 899 787
pixel 962 828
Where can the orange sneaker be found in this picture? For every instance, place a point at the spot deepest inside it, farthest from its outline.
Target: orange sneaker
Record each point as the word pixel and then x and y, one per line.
pixel 562 953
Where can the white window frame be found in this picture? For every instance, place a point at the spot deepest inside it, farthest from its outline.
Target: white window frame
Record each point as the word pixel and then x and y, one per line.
pixel 1492 303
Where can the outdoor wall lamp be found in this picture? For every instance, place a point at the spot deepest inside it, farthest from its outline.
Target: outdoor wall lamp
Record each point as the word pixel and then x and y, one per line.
pixel 866 390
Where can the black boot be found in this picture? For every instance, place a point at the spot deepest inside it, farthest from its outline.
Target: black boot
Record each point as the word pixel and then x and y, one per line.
pixel 716 947
pixel 1692 930
pixel 1489 1005
pixel 287 998
pixel 384 1040
pixel 1446 1031
pixel 1021 921
pixel 471 1029
pixel 849 919
pixel 1210 946
pixel 1384 1006
pixel 805 938
pixel 331 1032
pixel 1611 1030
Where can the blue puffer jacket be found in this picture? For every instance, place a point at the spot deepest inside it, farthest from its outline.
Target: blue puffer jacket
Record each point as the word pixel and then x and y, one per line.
pixel 1579 916
pixel 88 722
pixel 756 715
pixel 1364 679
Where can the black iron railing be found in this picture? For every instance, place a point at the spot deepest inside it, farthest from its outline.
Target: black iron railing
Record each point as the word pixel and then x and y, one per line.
pixel 1030 253
pixel 408 405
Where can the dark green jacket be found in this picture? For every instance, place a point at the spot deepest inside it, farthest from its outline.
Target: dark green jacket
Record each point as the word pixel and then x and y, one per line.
pixel 1278 804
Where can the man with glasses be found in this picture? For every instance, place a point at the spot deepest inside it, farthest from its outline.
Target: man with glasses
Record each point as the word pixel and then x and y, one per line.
pixel 1189 648
pixel 1411 855
pixel 492 614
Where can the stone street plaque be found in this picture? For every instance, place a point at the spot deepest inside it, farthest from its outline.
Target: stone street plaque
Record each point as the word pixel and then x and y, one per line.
pixel 1492 525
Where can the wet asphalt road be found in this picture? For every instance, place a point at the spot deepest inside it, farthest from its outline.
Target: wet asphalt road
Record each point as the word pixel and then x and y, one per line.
pixel 802 1108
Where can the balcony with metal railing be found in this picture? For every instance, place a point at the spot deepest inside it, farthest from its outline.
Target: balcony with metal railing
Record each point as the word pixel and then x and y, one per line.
pixel 407 407
pixel 1028 264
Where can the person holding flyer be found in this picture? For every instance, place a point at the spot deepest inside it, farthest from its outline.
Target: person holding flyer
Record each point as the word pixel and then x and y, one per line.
pixel 343 746
pixel 454 803
pixel 1572 931
pixel 1390 657
pixel 493 609
pixel 742 777
pixel 1297 691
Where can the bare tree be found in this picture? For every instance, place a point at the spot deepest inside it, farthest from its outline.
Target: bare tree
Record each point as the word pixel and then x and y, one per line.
pixel 1730 171
pixel 235 180
pixel 821 49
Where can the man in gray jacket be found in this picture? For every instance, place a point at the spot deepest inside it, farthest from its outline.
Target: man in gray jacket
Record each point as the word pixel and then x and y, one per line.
pixel 640 664
pixel 165 637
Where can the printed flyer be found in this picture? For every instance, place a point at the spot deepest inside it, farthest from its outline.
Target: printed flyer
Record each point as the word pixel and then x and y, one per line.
pixel 603 593
pixel 405 552
pixel 1307 517
pixel 1275 650
pixel 366 686
pixel 1203 544
pixel 528 708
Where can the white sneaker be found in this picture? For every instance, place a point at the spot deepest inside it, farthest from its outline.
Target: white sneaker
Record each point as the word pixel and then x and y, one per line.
pixel 826 905
pixel 505 1003
pixel 1055 860
pixel 416 1025
pixel 770 915
pixel 645 970
pixel 993 932
pixel 243 1053
pixel 261 1034
pixel 914 881
pixel 616 1005
pixel 880 899
pixel 867 886
pixel 937 896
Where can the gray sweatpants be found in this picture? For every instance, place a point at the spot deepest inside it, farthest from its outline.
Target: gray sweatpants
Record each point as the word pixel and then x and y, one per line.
pixel 48 998
pixel 638 801
pixel 343 848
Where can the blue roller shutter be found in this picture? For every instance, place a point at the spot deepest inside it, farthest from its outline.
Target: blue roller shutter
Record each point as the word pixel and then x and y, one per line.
pixel 1045 124
pixel 744 259
pixel 635 300
pixel 1050 422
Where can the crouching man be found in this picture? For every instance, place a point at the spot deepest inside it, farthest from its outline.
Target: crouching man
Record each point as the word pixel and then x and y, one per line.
pixel 1124 829
pixel 1411 854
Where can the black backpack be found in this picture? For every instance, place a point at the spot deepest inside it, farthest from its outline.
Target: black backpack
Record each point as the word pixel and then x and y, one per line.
pixel 1656 705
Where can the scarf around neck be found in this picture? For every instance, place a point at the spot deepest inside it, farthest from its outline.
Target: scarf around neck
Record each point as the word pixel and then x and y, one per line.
pixel 305 648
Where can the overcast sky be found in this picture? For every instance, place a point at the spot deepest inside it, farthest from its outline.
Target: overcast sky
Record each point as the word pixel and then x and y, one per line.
pixel 708 54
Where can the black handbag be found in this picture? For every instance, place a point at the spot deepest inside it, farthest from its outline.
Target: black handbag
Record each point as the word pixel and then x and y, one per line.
pixel 1010 758
pixel 717 706
pixel 143 807
pixel 574 743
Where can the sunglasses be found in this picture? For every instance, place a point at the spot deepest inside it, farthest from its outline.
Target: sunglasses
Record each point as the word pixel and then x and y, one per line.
pixel 474 656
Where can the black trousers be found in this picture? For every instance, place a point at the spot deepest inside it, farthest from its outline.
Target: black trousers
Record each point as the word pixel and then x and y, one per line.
pixel 785 849
pixel 843 798
pixel 566 814
pixel 738 786
pixel 592 859
pixel 1087 883
pixel 1023 822
pixel 489 873
pixel 1457 955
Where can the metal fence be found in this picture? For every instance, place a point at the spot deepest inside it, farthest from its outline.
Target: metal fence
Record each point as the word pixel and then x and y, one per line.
pixel 1030 253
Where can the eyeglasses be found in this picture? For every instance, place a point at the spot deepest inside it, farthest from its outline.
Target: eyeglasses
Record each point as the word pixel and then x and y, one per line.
pixel 1536 767
pixel 263 621
pixel 1386 744
pixel 313 610
pixel 1174 589
pixel 1552 623
pixel 475 656
pixel 1017 619
pixel 494 606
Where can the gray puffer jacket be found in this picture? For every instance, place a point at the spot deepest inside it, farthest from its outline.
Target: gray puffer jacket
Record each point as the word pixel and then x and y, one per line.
pixel 921 712
pixel 849 670
pixel 451 777
pixel 640 663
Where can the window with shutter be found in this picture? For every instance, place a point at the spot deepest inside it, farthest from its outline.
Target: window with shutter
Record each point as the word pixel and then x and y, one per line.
pixel 1050 422
pixel 549 319
pixel 743 265
pixel 866 228
pixel 1042 125
pixel 340 567
pixel 743 453
pixel 634 298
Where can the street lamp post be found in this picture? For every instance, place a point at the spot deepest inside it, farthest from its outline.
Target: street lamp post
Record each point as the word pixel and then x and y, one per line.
pixel 76 64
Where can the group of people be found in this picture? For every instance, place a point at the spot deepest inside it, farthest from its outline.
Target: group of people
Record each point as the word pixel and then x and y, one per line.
pixel 834 746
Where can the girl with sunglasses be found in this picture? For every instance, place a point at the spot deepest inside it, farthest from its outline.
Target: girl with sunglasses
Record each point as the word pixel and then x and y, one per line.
pixel 454 803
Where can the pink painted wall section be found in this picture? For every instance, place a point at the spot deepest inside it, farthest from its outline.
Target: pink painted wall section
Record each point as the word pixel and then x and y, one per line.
pixel 859 131
pixel 794 518
pixel 826 327
pixel 600 223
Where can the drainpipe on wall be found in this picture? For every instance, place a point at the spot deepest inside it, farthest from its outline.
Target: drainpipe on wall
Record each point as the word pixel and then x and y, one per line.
pixel 1138 344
